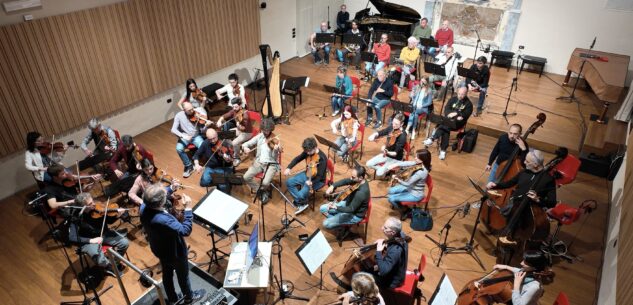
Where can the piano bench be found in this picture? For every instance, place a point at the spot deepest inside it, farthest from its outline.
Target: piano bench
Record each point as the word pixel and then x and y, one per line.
pixel 294 94
pixel 533 60
pixel 503 58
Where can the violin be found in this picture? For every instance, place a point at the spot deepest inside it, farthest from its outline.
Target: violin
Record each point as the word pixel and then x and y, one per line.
pixel 236 90
pixel 46 148
pixel 406 174
pixel 79 181
pixel 102 209
pixel 312 162
pixel 199 95
pixel 345 193
pixel 199 118
pixel 239 115
pixel 273 140
pixel 391 140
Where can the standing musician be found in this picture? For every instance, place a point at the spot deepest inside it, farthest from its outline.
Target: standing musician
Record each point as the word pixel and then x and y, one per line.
pixel 267 158
pixel 351 50
pixel 412 181
pixel 88 233
pixel 350 206
pixel 344 90
pixel 34 160
pixel 105 141
pixel 480 83
pixel 150 175
pixel 459 108
pixel 304 183
pixel 243 126
pixel 316 47
pixel 543 194
pixel 187 127
pixel 193 95
pixel 449 61
pixel 347 127
pixel 391 255
pixel 504 147
pixel 232 90
pixel 131 154
pixel 527 288
pixel 165 235
pixel 409 56
pixel 383 52
pixel 393 150
pixel 219 156
pixel 421 100
pixel 380 95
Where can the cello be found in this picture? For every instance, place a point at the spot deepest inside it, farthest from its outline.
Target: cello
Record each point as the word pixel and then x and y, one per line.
pixel 491 215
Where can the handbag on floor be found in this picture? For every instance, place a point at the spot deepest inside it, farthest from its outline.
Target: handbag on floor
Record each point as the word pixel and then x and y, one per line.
pixel 421 220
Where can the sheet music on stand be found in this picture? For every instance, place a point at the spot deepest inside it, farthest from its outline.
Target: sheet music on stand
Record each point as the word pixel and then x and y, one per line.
pixel 429 42
pixel 314 251
pixel 433 68
pixel 401 107
pixel 369 57
pixel 219 211
pixel 352 39
pixel 294 83
pixel 444 293
pixel 325 38
pixel 326 142
pixel 467 73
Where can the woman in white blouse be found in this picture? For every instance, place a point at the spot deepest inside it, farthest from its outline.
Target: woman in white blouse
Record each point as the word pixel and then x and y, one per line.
pixel 34 161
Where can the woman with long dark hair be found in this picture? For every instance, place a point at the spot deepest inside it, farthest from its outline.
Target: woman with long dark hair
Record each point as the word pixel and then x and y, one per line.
pixel 528 289
pixel 410 187
pixel 193 95
pixel 34 161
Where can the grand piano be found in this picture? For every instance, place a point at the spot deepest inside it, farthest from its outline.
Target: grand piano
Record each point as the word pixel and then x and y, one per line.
pixel 394 19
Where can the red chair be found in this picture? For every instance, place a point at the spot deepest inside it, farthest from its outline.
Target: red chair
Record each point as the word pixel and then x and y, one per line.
pixel 565 214
pixel 409 291
pixel 394 97
pixel 329 180
pixel 347 228
pixel 255 116
pixel 359 145
pixel 561 299
pixel 424 201
pixel 565 171
pixel 355 91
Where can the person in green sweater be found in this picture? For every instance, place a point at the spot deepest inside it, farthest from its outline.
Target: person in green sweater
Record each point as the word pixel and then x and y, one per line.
pixel 422 31
pixel 352 208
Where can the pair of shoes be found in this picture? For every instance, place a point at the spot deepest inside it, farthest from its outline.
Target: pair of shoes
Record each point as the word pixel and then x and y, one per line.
pixel 478 113
pixel 335 113
pixel 195 296
pixel 188 171
pixel 367 122
pixel 301 208
pixel 236 162
pixel 265 197
pixel 442 155
pixel 428 142
pixel 378 125
pixel 404 214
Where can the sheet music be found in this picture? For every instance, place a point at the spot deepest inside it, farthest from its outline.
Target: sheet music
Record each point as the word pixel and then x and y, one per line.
pixel 315 252
pixel 221 209
pixel 445 293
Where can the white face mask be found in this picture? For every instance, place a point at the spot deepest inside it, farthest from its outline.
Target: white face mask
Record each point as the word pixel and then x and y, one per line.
pixel 347 115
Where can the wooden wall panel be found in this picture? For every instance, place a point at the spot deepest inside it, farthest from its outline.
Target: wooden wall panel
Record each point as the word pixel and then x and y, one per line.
pixel 57 72
pixel 624 281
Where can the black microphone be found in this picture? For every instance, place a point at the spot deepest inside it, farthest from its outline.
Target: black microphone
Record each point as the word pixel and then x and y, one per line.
pixel 466 209
pixel 593 43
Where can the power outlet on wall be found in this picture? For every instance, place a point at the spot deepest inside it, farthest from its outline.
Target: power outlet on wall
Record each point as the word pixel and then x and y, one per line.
pixel 168 100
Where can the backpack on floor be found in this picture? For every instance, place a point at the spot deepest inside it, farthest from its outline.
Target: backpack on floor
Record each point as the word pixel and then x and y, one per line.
pixel 468 141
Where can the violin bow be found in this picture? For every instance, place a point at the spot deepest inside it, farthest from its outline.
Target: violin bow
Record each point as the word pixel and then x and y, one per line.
pixel 205 163
pixel 105 215
pixel 78 177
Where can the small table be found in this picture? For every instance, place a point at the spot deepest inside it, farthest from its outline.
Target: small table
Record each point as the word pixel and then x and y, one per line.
pixel 256 278
pixel 533 60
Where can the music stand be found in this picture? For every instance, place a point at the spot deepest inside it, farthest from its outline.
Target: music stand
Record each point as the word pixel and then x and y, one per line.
pixel 330 89
pixel 371 58
pixel 219 112
pixel 330 145
pixel 219 213
pixel 444 293
pixel 434 68
pixel 466 73
pixel 401 107
pixel 227 135
pixel 442 120
pixel 325 38
pixel 313 253
pixel 292 86
pixel 428 43
pixel 352 39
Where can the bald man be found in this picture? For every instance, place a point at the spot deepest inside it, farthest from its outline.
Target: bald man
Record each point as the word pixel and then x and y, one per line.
pixel 316 47
pixel 219 162
pixel 459 108
pixel 187 132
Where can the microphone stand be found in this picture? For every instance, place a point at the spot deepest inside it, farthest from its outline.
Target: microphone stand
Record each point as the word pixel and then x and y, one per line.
pixel 515 86
pixel 477 45
pixel 261 204
pixel 572 97
pixel 285 221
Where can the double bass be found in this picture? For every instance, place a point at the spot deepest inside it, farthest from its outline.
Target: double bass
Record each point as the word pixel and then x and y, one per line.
pixel 491 215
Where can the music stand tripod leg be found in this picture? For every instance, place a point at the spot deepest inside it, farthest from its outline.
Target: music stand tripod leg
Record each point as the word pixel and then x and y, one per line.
pixel 444 245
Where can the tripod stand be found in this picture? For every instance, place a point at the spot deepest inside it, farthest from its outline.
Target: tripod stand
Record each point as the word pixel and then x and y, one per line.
pixel 285 288
pixel 572 97
pixel 285 221
pixel 261 203
pixel 214 258
pixel 468 248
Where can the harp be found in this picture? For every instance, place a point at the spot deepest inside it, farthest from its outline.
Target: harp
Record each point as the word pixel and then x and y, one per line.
pixel 272 104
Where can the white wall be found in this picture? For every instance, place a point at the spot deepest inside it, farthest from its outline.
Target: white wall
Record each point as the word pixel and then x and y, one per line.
pixel 277 21
pixel 51 8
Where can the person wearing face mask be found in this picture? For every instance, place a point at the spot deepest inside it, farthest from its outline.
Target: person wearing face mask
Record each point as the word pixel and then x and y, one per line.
pixel 266 159
pixel 351 209
pixel 459 108
pixel 421 100
pixel 409 56
pixel 302 184
pixel 393 150
pixel 503 149
pixel 344 90
pixel 480 82
pixel 383 51
pixel 346 126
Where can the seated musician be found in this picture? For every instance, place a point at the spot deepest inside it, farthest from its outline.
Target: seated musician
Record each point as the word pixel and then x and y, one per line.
pixel 243 127
pixel 344 88
pixel 346 126
pixel 193 95
pixel 412 181
pixel 527 288
pixel 149 175
pixel 34 160
pixel 131 154
pixel 232 90
pixel 391 255
pixel 380 94
pixel 106 144
pixel 219 156
pixel 363 288
pixel 351 50
pixel 393 150
pixel 444 37
pixel 409 56
pixel 302 184
pixel 480 83
pixel 421 100
pixel 59 195
pixel 504 147
pixel 317 47
pixel 459 108
pixel 422 31
pixel 450 62
pixel 341 18
pixel 383 53
pixel 86 232
pixel 188 131
pixel 348 208
pixel 267 158
pixel 543 194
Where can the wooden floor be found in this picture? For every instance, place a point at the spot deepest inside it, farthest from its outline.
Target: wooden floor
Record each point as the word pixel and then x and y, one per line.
pixel 34 272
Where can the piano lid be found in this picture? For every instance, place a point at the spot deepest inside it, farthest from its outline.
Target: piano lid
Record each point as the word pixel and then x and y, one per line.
pixel 396 11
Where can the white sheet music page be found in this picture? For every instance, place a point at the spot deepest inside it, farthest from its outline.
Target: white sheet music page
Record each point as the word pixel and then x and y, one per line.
pixel 315 252
pixel 221 210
